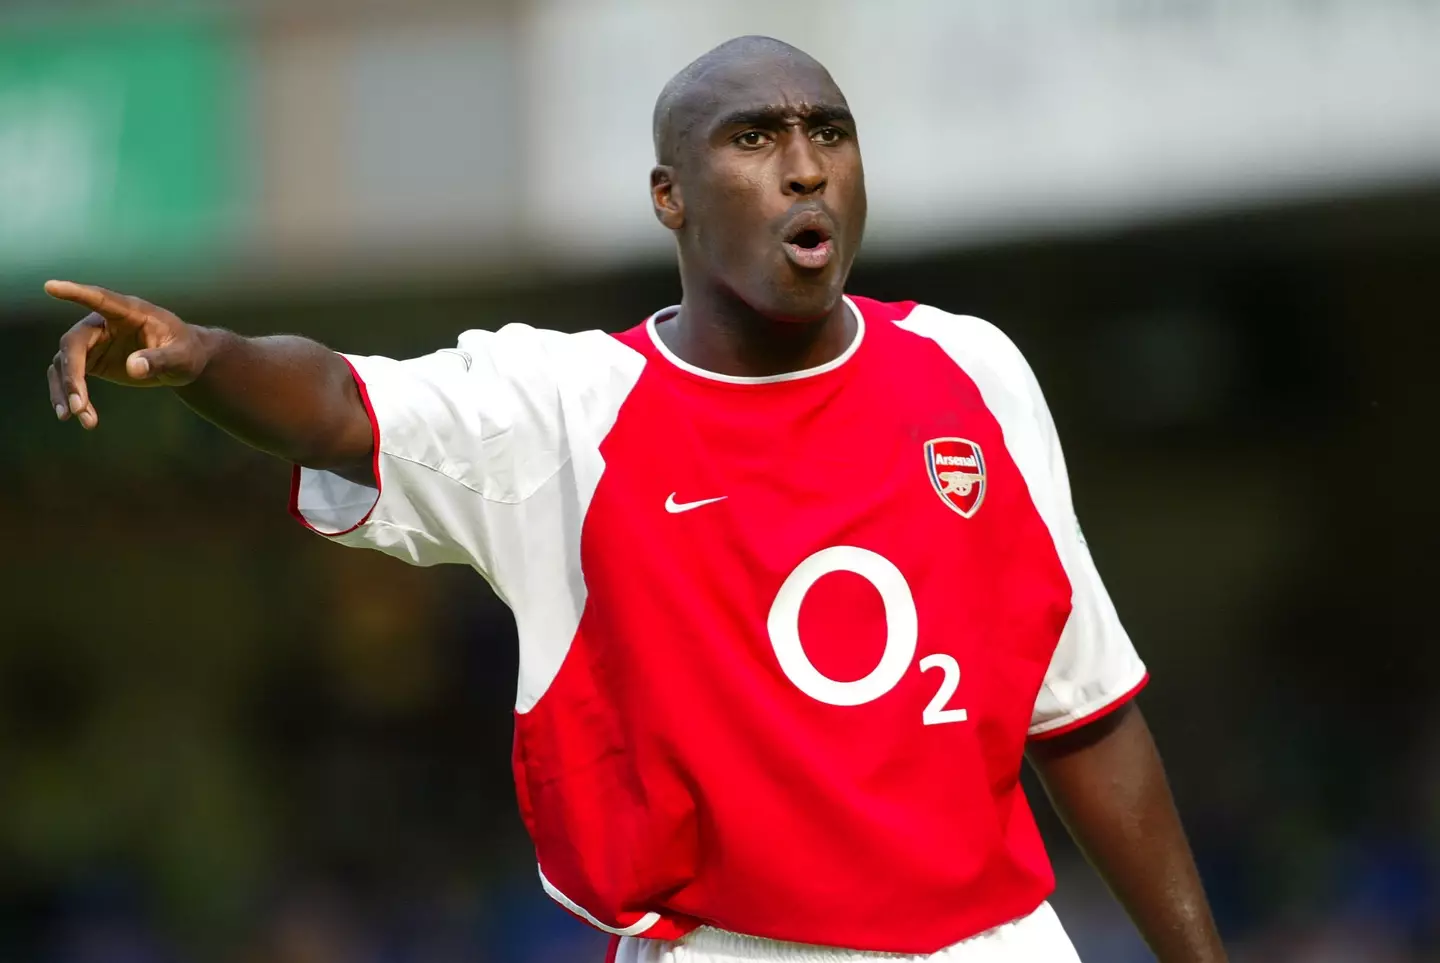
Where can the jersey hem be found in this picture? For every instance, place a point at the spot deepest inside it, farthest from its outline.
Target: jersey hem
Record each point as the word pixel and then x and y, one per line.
pixel 716 942
pixel 1088 714
pixel 295 470
pixel 638 928
pixel 722 941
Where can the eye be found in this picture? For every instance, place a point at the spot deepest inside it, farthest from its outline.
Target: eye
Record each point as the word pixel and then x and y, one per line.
pixel 753 139
pixel 828 136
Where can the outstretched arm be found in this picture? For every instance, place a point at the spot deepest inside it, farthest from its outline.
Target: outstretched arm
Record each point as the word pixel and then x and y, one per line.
pixel 285 395
pixel 1108 785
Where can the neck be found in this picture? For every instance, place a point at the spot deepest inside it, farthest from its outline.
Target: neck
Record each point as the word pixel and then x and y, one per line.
pixel 723 334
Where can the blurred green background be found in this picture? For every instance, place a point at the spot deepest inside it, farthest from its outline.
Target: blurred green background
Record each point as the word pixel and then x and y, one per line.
pixel 122 142
pixel 222 739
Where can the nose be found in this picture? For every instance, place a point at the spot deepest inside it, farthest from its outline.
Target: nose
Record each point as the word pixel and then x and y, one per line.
pixel 804 171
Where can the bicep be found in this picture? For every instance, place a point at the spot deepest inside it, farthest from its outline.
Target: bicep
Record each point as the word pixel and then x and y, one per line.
pixel 356 437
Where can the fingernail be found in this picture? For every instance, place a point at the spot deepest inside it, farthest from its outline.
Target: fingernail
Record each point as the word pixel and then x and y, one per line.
pixel 59 411
pixel 142 367
pixel 76 404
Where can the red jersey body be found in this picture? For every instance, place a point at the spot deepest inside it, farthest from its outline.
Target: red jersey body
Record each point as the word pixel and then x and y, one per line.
pixel 783 639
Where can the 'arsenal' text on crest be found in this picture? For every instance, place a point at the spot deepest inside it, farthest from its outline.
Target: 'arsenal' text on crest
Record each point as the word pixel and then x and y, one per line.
pixel 957 471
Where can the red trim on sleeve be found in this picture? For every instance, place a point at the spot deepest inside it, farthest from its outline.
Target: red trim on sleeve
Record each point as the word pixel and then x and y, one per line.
pixel 1097 715
pixel 375 464
pixel 613 951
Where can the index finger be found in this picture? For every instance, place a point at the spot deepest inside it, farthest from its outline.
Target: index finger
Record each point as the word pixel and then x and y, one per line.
pixel 104 301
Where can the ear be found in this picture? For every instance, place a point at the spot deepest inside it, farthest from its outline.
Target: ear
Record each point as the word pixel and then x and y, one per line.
pixel 665 195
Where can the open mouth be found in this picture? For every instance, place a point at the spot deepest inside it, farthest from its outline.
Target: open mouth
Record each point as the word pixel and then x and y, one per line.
pixel 809 247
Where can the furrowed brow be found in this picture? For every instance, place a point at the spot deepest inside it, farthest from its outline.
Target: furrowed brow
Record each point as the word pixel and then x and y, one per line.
pixel 774 116
pixel 829 114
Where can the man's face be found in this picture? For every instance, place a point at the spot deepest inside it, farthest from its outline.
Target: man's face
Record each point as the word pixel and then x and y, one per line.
pixel 769 188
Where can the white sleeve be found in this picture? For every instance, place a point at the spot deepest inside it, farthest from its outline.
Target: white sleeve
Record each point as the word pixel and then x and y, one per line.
pixel 1095 667
pixel 477 448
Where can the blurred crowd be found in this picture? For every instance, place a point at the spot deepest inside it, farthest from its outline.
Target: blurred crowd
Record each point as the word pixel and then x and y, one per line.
pixel 1378 907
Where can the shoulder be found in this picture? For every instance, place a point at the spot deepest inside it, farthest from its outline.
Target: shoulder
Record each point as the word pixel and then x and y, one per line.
pixel 589 364
pixel 525 346
pixel 981 349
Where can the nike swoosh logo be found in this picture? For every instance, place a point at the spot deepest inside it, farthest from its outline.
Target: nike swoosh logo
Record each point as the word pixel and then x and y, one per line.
pixel 674 507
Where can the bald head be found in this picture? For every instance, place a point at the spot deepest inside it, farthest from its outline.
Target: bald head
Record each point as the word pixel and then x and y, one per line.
pixel 697 93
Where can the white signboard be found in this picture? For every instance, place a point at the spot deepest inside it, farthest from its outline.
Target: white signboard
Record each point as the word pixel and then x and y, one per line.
pixel 993 118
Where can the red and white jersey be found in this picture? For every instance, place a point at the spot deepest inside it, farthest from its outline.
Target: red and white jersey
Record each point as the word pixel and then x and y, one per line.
pixel 782 639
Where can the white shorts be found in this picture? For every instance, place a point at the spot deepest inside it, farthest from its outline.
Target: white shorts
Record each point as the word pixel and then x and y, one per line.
pixel 1037 938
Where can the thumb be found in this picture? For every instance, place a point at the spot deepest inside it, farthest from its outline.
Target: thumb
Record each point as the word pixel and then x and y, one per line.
pixel 151 364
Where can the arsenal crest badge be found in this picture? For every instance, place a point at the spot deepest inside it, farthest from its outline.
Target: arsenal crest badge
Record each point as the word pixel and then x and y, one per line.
pixel 957 471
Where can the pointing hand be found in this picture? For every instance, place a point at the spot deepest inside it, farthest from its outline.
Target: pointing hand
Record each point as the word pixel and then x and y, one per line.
pixel 124 340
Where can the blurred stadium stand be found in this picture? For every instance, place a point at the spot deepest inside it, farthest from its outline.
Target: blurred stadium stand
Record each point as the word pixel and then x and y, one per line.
pixel 1213 225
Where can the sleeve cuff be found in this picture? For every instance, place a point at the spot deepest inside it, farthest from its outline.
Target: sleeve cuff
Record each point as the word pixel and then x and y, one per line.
pixel 1087 714
pixel 328 504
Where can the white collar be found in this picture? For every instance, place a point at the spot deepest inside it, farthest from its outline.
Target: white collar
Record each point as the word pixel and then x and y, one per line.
pixel 684 365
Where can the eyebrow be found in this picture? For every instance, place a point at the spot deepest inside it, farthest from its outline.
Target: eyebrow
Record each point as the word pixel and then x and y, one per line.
pixel 774 115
